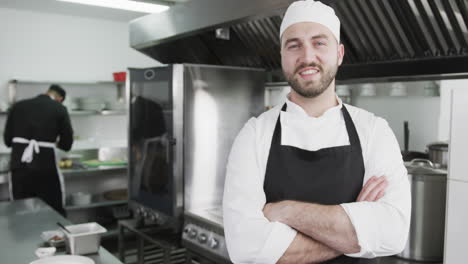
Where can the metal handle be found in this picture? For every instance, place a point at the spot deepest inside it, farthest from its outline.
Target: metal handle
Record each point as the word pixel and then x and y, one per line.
pixel 169 143
pixel 428 162
pixel 406 134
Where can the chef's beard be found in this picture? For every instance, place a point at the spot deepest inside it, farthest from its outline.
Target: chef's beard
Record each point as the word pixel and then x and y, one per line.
pixel 312 89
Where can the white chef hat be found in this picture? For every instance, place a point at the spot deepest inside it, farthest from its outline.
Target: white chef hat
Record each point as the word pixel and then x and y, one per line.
pixel 311 11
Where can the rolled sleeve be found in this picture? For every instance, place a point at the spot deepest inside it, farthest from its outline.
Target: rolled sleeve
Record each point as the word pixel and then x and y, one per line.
pixel 250 237
pixel 382 227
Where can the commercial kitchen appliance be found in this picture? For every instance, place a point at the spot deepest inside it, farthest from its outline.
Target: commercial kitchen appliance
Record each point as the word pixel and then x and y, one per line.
pixel 428 197
pixel 183 120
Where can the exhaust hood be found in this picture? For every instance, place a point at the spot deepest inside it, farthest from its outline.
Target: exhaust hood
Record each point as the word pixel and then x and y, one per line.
pixel 382 38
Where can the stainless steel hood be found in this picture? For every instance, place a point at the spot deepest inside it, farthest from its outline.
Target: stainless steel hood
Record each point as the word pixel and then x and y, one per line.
pixel 381 37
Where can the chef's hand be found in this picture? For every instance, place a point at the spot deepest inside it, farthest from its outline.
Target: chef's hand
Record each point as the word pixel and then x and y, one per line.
pixel 373 190
pixel 275 211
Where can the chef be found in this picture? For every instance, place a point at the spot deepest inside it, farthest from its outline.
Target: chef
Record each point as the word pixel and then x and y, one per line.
pixel 313 179
pixel 34 128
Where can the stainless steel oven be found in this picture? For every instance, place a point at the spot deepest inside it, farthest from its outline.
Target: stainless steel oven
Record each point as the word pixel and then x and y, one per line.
pixel 183 121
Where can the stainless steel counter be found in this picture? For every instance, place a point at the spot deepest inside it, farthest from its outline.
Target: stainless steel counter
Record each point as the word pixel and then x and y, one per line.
pixel 21 224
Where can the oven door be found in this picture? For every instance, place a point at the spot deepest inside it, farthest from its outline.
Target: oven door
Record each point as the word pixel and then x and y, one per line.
pixel 154 181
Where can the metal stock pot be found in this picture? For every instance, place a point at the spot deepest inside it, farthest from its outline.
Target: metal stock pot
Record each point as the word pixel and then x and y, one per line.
pixel 428 192
pixel 438 154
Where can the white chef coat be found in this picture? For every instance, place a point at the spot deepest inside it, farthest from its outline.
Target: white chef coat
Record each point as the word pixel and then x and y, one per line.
pixel 381 227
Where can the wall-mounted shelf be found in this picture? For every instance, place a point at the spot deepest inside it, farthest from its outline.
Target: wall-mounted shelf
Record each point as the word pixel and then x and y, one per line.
pixel 96 201
pixel 92 171
pixel 15 83
pixel 65 82
pixel 103 112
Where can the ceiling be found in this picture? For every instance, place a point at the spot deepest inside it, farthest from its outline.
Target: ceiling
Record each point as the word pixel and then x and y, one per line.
pixel 72 9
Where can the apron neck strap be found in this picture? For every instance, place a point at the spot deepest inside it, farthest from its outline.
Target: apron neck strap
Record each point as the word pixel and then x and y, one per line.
pixel 350 128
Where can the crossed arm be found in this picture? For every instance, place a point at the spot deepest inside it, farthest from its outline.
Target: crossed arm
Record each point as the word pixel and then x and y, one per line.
pixel 324 231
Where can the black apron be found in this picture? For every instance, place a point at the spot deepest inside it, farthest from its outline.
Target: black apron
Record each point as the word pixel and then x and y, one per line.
pixel 329 176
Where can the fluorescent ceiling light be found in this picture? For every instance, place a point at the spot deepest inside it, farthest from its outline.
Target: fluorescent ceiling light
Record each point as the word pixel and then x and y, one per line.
pixel 123 4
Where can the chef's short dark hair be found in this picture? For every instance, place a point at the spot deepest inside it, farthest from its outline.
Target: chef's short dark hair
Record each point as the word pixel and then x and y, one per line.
pixel 58 89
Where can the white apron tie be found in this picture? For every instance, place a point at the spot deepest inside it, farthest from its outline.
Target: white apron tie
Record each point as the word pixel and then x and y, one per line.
pixel 33 147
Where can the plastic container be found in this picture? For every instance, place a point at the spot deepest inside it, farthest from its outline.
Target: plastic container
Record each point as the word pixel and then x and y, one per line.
pixel 119 76
pixel 84 238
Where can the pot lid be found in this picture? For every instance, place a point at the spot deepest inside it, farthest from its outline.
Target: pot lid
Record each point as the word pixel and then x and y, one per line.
pixel 438 146
pixel 425 167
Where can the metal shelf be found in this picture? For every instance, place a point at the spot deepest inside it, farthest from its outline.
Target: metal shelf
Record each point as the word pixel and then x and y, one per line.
pixel 68 82
pixel 103 112
pixel 96 201
pixel 14 83
pixel 81 171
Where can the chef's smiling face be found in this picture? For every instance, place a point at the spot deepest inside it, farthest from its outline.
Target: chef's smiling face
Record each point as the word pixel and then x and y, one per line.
pixel 310 56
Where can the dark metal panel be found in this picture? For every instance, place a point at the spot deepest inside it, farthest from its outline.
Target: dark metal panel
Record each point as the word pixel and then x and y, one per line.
pixel 254 60
pixel 352 32
pixel 396 28
pixel 409 26
pixel 357 26
pixel 437 29
pixel 432 38
pixel 422 28
pixel 455 26
pixel 375 27
pixel 453 50
pixel 460 8
pixel 349 56
pixel 389 33
pixel 255 43
pixel 431 66
pixel 265 42
pixel 461 4
pixel 362 20
pixel 273 33
pixel 442 26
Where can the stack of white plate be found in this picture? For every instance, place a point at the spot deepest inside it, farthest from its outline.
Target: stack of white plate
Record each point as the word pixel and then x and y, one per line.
pixel 92 103
pixel 116 105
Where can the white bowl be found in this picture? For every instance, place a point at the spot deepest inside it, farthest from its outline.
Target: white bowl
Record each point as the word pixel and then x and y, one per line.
pixel 44 252
pixel 80 198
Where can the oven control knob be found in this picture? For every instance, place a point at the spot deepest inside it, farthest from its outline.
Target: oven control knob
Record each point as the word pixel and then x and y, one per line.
pixel 213 243
pixel 192 233
pixel 202 238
